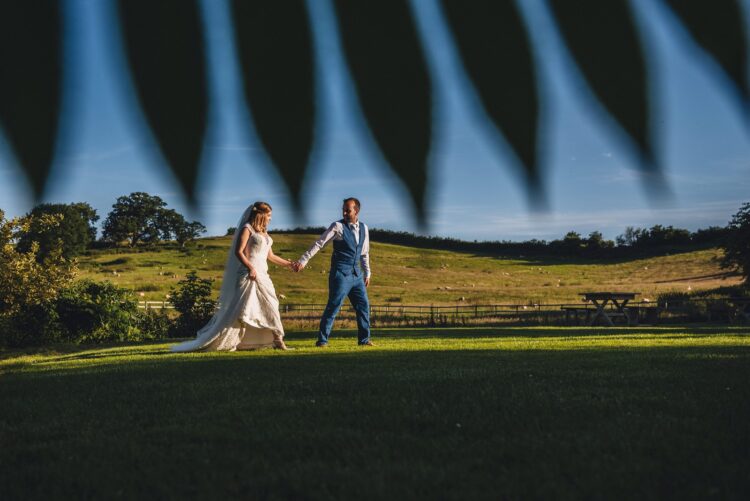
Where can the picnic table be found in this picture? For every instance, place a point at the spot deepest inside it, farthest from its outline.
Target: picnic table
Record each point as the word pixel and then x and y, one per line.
pixel 741 308
pixel 619 302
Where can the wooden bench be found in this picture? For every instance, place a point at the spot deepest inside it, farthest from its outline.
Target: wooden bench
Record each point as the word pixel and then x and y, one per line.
pixel 573 311
pixel 617 302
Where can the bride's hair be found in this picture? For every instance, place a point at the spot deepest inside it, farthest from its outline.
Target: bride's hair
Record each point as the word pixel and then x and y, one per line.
pixel 259 216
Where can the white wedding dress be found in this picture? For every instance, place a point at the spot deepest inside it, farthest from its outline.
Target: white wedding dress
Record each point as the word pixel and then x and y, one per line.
pixel 248 313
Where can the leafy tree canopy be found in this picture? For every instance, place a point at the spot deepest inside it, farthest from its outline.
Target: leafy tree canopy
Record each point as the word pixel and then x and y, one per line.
pixel 737 244
pixel 135 218
pixel 140 217
pixel 174 226
pixel 75 231
pixel 25 278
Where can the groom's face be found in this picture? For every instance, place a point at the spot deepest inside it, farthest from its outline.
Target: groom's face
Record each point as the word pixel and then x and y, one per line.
pixel 350 212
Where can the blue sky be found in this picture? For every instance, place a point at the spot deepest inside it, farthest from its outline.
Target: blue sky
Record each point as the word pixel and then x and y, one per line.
pixel 475 193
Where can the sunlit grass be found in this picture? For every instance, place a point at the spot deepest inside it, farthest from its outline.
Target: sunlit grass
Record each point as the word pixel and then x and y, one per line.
pixel 408 275
pixel 484 413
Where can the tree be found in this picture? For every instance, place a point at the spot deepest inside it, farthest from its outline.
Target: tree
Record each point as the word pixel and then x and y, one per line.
pixel 737 245
pixel 572 241
pixel 29 284
pixel 173 225
pixel 712 235
pixel 135 218
pixel 74 233
pixel 628 238
pixel 595 242
pixel 665 235
pixel 189 232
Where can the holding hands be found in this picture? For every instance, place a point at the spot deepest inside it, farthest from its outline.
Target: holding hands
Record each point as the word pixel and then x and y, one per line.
pixel 297 266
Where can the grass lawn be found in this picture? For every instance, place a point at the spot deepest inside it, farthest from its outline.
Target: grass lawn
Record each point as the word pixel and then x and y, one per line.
pixel 453 413
pixel 415 276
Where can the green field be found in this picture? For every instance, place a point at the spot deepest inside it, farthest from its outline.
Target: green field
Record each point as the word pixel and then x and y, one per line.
pixel 408 275
pixel 456 413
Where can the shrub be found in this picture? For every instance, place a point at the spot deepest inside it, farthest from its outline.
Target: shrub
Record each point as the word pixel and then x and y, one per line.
pixel 91 311
pixel 31 326
pixel 192 299
pixel 154 324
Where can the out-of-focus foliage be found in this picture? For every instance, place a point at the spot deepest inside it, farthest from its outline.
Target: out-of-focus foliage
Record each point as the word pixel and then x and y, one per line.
pixel 165 49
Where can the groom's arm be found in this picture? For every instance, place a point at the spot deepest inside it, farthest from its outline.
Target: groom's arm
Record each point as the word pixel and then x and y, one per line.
pixel 365 257
pixel 321 242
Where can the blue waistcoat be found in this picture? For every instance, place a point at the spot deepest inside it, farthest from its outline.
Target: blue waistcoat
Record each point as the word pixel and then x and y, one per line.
pixel 347 252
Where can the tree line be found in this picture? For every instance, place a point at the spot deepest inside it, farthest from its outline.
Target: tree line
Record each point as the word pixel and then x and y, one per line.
pixel 634 242
pixel 135 219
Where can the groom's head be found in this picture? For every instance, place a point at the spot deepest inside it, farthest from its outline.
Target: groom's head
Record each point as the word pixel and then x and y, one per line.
pixel 351 210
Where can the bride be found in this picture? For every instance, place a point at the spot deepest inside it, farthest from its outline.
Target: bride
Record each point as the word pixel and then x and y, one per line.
pixel 248 312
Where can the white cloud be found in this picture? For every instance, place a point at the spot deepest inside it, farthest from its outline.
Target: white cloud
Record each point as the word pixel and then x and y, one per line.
pixel 95 156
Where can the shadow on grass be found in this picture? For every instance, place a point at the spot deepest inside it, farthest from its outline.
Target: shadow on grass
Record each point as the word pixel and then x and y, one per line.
pixel 479 423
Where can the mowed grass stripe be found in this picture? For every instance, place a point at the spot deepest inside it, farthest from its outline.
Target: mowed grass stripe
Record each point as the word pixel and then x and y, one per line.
pixel 486 413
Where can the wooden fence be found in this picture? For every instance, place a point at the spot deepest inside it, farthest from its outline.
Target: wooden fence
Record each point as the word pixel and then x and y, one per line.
pixel 732 310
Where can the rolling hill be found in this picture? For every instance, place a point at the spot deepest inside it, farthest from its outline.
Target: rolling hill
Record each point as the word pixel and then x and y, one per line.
pixel 408 275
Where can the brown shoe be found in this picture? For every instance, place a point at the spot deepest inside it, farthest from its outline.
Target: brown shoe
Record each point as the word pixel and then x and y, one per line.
pixel 368 343
pixel 278 344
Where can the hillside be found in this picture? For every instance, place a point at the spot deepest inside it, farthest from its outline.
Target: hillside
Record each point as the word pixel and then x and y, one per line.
pixel 409 275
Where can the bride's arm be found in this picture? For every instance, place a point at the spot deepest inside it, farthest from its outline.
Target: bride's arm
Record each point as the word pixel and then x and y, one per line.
pixel 239 251
pixel 278 260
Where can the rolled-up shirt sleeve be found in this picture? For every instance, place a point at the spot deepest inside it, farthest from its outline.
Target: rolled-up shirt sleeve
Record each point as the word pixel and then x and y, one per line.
pixel 321 242
pixel 365 257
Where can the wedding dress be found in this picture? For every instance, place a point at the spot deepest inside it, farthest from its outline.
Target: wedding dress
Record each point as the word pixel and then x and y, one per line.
pixel 248 312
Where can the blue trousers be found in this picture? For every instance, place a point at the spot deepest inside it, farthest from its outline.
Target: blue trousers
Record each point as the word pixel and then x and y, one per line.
pixel 339 287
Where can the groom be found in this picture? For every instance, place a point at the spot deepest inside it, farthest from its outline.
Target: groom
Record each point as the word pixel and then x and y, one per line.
pixel 351 246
